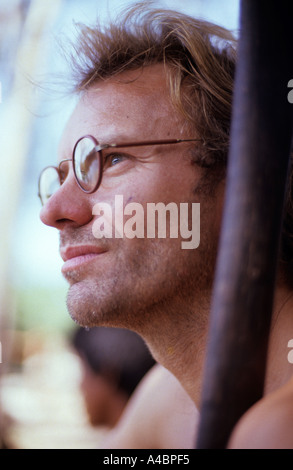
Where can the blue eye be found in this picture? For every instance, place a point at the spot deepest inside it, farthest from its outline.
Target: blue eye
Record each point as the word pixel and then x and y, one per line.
pixel 114 158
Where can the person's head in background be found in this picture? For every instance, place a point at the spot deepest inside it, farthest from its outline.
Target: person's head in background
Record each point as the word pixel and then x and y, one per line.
pixel 113 362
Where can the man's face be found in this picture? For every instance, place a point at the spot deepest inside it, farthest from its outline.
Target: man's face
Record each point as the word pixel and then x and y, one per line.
pixel 124 281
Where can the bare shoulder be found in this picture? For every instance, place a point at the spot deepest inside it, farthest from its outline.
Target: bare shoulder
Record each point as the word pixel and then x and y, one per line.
pixel 268 424
pixel 159 415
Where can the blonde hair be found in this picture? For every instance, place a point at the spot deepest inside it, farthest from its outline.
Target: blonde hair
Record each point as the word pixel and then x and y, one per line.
pixel 200 63
pixel 200 60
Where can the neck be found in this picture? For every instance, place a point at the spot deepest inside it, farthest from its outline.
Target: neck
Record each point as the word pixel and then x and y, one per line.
pixel 177 339
pixel 178 342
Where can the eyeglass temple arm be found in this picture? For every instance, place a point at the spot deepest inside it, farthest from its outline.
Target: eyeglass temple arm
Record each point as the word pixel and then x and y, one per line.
pixel 147 142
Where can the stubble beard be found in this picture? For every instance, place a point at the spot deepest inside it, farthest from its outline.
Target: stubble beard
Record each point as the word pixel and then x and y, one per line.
pixel 145 289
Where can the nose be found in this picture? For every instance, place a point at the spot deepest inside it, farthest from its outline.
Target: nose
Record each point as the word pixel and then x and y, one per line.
pixel 69 205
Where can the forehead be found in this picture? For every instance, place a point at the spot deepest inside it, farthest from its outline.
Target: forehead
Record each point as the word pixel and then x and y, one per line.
pixel 135 105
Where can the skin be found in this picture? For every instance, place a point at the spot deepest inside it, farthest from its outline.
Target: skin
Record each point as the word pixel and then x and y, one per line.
pixel 167 422
pixel 268 424
pixel 151 286
pixel 147 285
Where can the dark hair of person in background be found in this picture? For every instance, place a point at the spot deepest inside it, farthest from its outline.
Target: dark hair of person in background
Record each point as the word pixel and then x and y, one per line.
pixel 114 360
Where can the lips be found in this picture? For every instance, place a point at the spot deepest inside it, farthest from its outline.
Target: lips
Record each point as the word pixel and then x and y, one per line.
pixel 75 256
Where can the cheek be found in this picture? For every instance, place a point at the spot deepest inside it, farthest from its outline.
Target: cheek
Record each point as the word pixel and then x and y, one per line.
pixel 162 183
pixel 124 206
pixel 165 179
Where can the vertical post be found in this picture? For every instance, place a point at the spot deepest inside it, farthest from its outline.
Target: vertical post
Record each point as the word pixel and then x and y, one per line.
pixel 248 253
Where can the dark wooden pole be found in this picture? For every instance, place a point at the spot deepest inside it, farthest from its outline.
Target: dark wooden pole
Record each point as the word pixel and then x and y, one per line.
pixel 257 171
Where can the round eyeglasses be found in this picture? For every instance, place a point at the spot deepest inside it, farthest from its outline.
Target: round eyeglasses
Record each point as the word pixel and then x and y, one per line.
pixel 87 160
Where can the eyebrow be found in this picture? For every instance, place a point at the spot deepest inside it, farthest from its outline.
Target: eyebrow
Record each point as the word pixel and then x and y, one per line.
pixel 117 138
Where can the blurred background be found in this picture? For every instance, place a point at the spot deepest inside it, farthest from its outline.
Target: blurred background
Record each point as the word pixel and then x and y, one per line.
pixel 40 373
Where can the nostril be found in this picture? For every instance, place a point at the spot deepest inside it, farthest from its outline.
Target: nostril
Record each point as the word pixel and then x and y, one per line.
pixel 61 222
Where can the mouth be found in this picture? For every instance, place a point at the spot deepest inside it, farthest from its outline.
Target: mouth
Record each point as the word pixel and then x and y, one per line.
pixel 76 256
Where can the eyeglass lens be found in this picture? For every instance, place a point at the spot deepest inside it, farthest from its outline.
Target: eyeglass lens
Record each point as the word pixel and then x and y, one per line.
pixel 87 164
pixel 49 182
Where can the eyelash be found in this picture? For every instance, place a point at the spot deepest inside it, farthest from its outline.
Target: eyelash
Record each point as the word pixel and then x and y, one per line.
pixel 108 162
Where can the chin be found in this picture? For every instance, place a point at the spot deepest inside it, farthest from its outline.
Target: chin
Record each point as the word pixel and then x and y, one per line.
pixel 89 306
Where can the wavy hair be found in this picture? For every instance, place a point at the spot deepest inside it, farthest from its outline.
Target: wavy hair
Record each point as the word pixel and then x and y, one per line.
pixel 200 60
